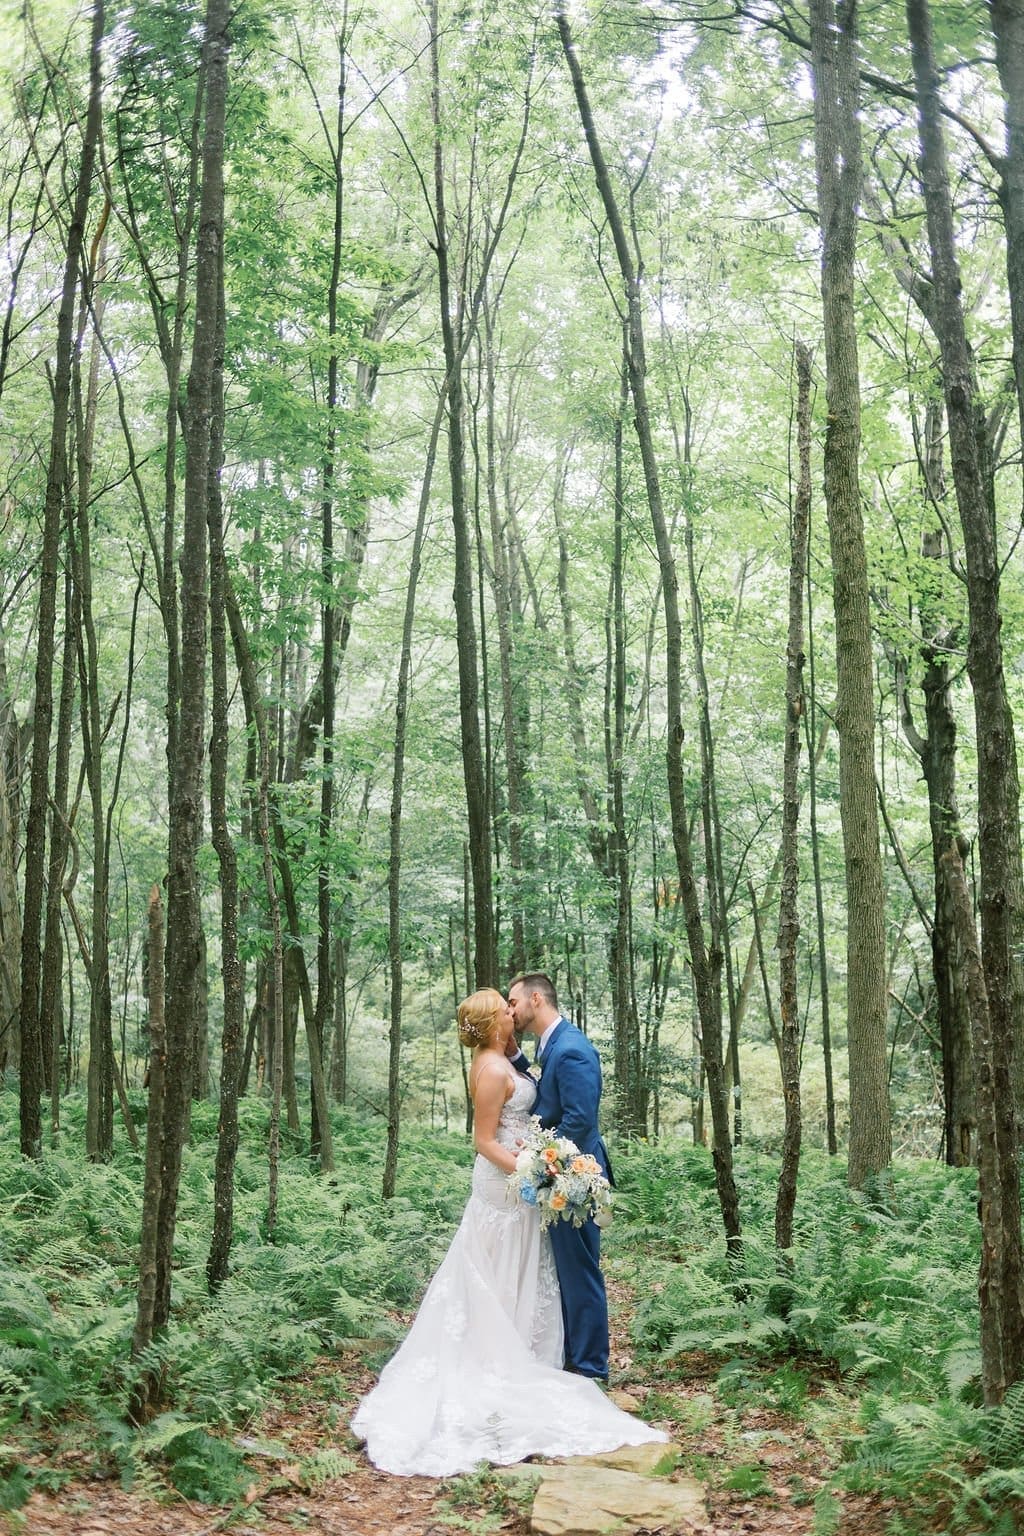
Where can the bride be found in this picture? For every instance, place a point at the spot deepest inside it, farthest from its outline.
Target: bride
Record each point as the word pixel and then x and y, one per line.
pixel 478 1377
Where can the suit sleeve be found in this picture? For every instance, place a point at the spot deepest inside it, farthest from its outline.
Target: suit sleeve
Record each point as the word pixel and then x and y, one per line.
pixel 579 1087
pixel 520 1063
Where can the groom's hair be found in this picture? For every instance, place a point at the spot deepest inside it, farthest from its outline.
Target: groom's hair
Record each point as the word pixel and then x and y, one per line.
pixel 536 981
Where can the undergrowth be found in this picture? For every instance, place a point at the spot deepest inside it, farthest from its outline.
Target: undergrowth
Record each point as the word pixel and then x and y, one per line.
pixel 866 1335
pixel 341 1266
pixel 875 1309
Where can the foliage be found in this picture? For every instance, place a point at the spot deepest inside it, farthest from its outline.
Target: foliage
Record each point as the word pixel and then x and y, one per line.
pixel 865 1334
pixel 486 1500
pixel 340 1263
pixel 878 1293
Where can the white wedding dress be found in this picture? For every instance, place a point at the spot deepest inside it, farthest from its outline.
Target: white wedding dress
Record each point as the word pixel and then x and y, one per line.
pixel 478 1377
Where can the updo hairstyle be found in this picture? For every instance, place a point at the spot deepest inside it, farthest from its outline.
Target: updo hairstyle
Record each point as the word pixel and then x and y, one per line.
pixel 478 1014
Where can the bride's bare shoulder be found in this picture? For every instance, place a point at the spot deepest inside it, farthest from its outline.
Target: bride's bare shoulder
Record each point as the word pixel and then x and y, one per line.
pixel 492 1068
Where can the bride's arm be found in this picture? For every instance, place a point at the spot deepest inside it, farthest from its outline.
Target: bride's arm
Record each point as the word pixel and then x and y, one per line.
pixel 488 1097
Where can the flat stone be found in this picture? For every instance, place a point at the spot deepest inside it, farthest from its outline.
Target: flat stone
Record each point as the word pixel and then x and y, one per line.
pixel 655 1458
pixel 598 1500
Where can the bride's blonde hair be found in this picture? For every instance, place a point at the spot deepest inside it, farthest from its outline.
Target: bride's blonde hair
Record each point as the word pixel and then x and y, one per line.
pixel 478 1014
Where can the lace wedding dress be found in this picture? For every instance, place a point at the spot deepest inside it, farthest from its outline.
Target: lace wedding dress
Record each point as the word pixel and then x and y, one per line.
pixel 478 1377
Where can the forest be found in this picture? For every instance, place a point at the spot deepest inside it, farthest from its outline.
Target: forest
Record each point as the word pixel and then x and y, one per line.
pixel 487 487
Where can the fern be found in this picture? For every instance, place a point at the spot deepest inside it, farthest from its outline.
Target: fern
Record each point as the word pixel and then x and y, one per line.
pixel 325 1466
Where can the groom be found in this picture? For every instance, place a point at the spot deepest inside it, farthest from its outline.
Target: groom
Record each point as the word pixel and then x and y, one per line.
pixel 567 1099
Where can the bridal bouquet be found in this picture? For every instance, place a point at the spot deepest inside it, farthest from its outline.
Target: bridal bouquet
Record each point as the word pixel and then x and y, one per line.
pixel 564 1183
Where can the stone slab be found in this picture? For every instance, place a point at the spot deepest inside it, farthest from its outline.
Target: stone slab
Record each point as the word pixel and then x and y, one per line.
pixel 599 1500
pixel 655 1458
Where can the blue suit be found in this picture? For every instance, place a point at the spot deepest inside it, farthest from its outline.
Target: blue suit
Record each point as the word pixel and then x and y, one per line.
pixel 567 1102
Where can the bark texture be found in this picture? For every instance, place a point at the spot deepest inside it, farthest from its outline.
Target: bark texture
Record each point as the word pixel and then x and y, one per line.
pixel 789 919
pixel 31 1079
pixel 838 165
pixel 1002 1270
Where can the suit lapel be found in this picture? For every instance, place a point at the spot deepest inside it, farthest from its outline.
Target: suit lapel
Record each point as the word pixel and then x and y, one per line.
pixel 553 1038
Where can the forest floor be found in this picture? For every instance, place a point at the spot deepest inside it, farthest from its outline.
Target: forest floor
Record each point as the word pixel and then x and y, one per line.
pixel 760 1467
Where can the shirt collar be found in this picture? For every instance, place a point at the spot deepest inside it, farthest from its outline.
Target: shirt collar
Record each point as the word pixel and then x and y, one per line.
pixel 546 1036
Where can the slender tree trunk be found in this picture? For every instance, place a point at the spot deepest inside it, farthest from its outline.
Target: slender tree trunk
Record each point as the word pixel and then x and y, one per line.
pixel 50 1010
pixel 998 1286
pixel 1008 26
pixel 937 753
pixel 815 748
pixel 1002 1275
pixel 596 833
pixel 631 1090
pixel 503 612
pixel 395 828
pixel 789 917
pixel 324 953
pixel 232 1035
pixel 485 957
pixel 838 157
pixel 259 729
pixel 100 1081
pixel 299 990
pixel 31 1078
pixel 10 906
pixel 184 928
pixel 706 964
pixel 339 1048
pixel 718 927
pixel 290 1014
pixel 139 1401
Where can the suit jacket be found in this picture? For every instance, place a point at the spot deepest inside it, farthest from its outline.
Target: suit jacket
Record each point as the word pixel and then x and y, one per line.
pixel 570 1090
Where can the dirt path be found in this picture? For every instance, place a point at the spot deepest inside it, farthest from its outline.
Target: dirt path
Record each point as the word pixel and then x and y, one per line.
pixel 759 1466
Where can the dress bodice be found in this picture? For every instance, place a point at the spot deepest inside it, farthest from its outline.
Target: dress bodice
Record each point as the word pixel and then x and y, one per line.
pixel 514 1120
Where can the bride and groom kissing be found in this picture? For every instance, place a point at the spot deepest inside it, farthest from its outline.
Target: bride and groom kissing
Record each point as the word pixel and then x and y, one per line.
pixel 507 1353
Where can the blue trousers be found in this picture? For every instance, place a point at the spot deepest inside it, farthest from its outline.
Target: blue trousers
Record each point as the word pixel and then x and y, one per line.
pixel 577 1253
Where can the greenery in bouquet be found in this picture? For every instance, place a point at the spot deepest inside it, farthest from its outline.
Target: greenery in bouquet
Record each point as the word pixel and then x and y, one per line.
pixel 564 1183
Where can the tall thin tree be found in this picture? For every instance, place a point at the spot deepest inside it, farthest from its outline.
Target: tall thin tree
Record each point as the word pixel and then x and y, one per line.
pixel 838 164
pixel 706 962
pixel 1002 1273
pixel 31 1080
pixel 184 927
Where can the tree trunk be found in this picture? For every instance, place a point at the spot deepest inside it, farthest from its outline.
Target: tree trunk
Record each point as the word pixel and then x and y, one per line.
pixel 395 825
pixel 485 957
pixel 50 1009
pixel 99 1124
pixel 1002 1281
pixel 10 906
pixel 937 753
pixel 339 1047
pixel 258 727
pixel 184 927
pixel 31 1080
pixel 139 1406
pixel 232 1035
pixel 514 745
pixel 631 1089
pixel 838 160
pixel 999 1289
pixel 789 916
pixel 1008 26
pixel 815 749
pixel 706 965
